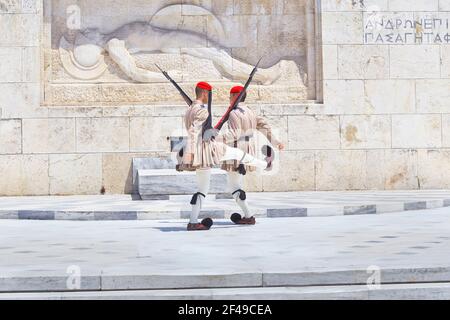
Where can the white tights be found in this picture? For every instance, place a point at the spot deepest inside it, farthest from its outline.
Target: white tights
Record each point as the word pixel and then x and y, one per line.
pixel 203 183
pixel 235 182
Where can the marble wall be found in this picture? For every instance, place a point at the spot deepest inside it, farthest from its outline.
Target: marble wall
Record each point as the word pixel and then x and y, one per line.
pixel 384 122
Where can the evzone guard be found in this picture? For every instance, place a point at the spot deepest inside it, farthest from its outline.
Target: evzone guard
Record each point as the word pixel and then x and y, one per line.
pixel 242 126
pixel 204 151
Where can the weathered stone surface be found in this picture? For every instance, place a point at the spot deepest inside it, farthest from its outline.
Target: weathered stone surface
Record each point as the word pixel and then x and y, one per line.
pixel 167 161
pixel 341 170
pixel 330 61
pixel 69 95
pixel 357 210
pixel 49 135
pixel 416 131
pixel 392 169
pixel 433 96
pixel 365 132
pixel 314 132
pixel 150 134
pixel 11 64
pixel 416 5
pixel 24 175
pixel 31 6
pixel 10 136
pixel 279 125
pixel 170 182
pixel 446 130
pixel 117 172
pixel 21 30
pixel 281 94
pixel 12 6
pixel 415 205
pixel 434 169
pixel 354 5
pixel 415 62
pixel 253 182
pixel 102 134
pixel 55 282
pixel 31 64
pixel 398 96
pixel 444 5
pixel 258 7
pixel 77 112
pixel 300 176
pixel 342 28
pixel 112 282
pixel 294 7
pixel 363 62
pixel 75 174
pixel 344 96
pixel 21 100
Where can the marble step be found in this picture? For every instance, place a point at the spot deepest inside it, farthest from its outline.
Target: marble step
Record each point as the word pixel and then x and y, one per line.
pixel 138 279
pixel 421 291
pixel 160 184
pixel 166 162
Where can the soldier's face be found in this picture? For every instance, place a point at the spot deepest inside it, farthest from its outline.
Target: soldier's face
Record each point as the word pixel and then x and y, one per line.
pixel 233 96
pixel 205 96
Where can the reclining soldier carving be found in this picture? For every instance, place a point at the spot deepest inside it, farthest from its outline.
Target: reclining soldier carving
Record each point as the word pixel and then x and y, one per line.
pixel 84 58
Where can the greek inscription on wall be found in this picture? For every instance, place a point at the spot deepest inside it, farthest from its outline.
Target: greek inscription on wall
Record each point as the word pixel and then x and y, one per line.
pixel 406 28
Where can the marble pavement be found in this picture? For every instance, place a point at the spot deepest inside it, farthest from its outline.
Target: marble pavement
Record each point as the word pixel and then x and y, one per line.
pixel 408 250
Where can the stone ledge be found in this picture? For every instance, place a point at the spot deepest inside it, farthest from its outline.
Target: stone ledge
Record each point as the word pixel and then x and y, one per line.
pixel 183 213
pixel 251 279
pixel 432 291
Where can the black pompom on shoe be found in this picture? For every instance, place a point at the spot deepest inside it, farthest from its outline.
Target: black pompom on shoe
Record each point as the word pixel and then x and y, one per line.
pixel 208 222
pixel 236 217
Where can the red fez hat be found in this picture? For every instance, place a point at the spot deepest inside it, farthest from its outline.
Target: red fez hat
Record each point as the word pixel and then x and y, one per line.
pixel 204 86
pixel 237 89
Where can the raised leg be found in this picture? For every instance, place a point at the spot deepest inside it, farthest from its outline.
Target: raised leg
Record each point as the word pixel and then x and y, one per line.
pixel 244 158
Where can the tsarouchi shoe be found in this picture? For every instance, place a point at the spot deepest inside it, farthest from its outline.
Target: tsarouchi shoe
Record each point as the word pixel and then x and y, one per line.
pixel 237 219
pixel 205 225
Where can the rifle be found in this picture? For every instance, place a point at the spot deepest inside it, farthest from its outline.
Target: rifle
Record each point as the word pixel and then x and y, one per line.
pixel 183 94
pixel 208 132
pixel 238 99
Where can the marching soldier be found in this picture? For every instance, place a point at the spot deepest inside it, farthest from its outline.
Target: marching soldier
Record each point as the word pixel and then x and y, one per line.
pixel 202 152
pixel 242 126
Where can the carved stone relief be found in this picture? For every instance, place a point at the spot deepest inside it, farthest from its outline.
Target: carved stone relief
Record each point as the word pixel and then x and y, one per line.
pixel 107 50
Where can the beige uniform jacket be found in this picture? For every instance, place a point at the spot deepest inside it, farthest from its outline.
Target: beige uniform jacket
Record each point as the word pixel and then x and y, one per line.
pixel 242 126
pixel 199 154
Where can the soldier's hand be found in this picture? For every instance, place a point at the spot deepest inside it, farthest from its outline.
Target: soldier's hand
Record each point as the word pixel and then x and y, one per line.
pixel 280 146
